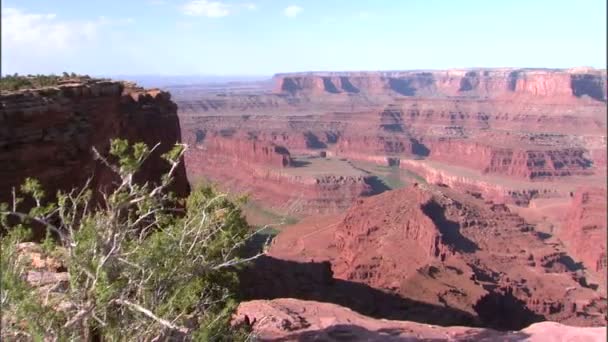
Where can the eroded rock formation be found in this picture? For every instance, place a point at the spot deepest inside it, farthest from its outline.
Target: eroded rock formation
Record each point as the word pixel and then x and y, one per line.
pixel 585 230
pixel 505 83
pixel 266 171
pixel 49 133
pixel 503 133
pixel 433 245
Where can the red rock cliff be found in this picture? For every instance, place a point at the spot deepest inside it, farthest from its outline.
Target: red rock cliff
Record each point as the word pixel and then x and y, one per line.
pixel 556 84
pixel 585 229
pixel 49 133
pixel 437 246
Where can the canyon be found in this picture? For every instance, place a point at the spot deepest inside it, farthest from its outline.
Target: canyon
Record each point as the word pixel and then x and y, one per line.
pixel 454 198
pixel 510 135
pixel 466 197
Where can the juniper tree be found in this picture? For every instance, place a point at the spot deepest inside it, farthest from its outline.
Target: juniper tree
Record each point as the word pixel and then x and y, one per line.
pixel 141 263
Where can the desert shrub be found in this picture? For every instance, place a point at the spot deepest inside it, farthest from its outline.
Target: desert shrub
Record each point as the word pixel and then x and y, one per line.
pixel 17 82
pixel 141 263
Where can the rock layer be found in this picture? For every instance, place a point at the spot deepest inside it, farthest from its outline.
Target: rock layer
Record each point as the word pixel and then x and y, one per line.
pixel 49 133
pixel 524 127
pixel 433 245
pixel 585 230
pixel 506 83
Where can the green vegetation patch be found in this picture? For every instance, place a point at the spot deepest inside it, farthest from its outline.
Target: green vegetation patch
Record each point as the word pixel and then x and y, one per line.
pixel 17 82
pixel 141 264
pixel 265 216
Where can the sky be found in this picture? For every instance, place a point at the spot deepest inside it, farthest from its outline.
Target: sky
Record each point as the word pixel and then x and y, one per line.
pixel 263 37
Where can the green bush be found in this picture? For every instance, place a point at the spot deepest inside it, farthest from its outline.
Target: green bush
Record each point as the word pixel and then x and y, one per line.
pixel 17 82
pixel 141 263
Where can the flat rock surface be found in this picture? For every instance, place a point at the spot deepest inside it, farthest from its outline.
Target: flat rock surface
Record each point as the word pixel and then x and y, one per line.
pixel 296 320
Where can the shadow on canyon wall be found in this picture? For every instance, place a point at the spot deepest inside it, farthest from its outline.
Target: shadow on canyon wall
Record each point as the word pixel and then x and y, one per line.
pixel 503 311
pixel 270 278
pixel 376 184
pixel 420 149
pixel 402 86
pixel 349 332
pixel 348 86
pixel 313 141
pixel 450 230
pixel 588 85
pixel 329 86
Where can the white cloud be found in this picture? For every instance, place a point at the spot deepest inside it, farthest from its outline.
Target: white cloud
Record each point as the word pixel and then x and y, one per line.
pixel 114 22
pixel 41 42
pixel 363 15
pixel 43 30
pixel 292 10
pixel 211 9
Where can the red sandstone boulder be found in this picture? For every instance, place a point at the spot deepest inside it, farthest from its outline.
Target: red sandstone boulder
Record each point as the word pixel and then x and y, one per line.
pixel 296 320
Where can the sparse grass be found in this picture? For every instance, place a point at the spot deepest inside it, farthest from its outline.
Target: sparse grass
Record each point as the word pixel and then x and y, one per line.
pixel 267 231
pixel 392 176
pixel 319 166
pixel 415 176
pixel 264 216
pixel 257 214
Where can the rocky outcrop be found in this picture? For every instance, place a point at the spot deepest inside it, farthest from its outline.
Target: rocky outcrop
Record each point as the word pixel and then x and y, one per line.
pixel 296 320
pixel 560 85
pixel 420 240
pixel 245 149
pixel 519 193
pixel 462 253
pixel 49 133
pixel 585 230
pixel 540 164
pixel 530 138
pixel 276 182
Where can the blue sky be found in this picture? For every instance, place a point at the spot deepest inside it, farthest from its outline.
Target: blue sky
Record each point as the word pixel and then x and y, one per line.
pixel 262 37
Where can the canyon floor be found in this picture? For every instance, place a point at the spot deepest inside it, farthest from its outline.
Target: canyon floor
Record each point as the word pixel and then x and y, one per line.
pixel 460 197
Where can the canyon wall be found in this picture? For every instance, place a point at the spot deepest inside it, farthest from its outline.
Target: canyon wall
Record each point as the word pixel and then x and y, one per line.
pixel 442 247
pixel 266 171
pixel 503 133
pixel 49 133
pixel 585 230
pixel 559 85
pixel 520 162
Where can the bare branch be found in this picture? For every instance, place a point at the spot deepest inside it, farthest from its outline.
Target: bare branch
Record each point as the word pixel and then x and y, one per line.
pixel 149 314
pixel 78 317
pixel 237 261
pixel 25 217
